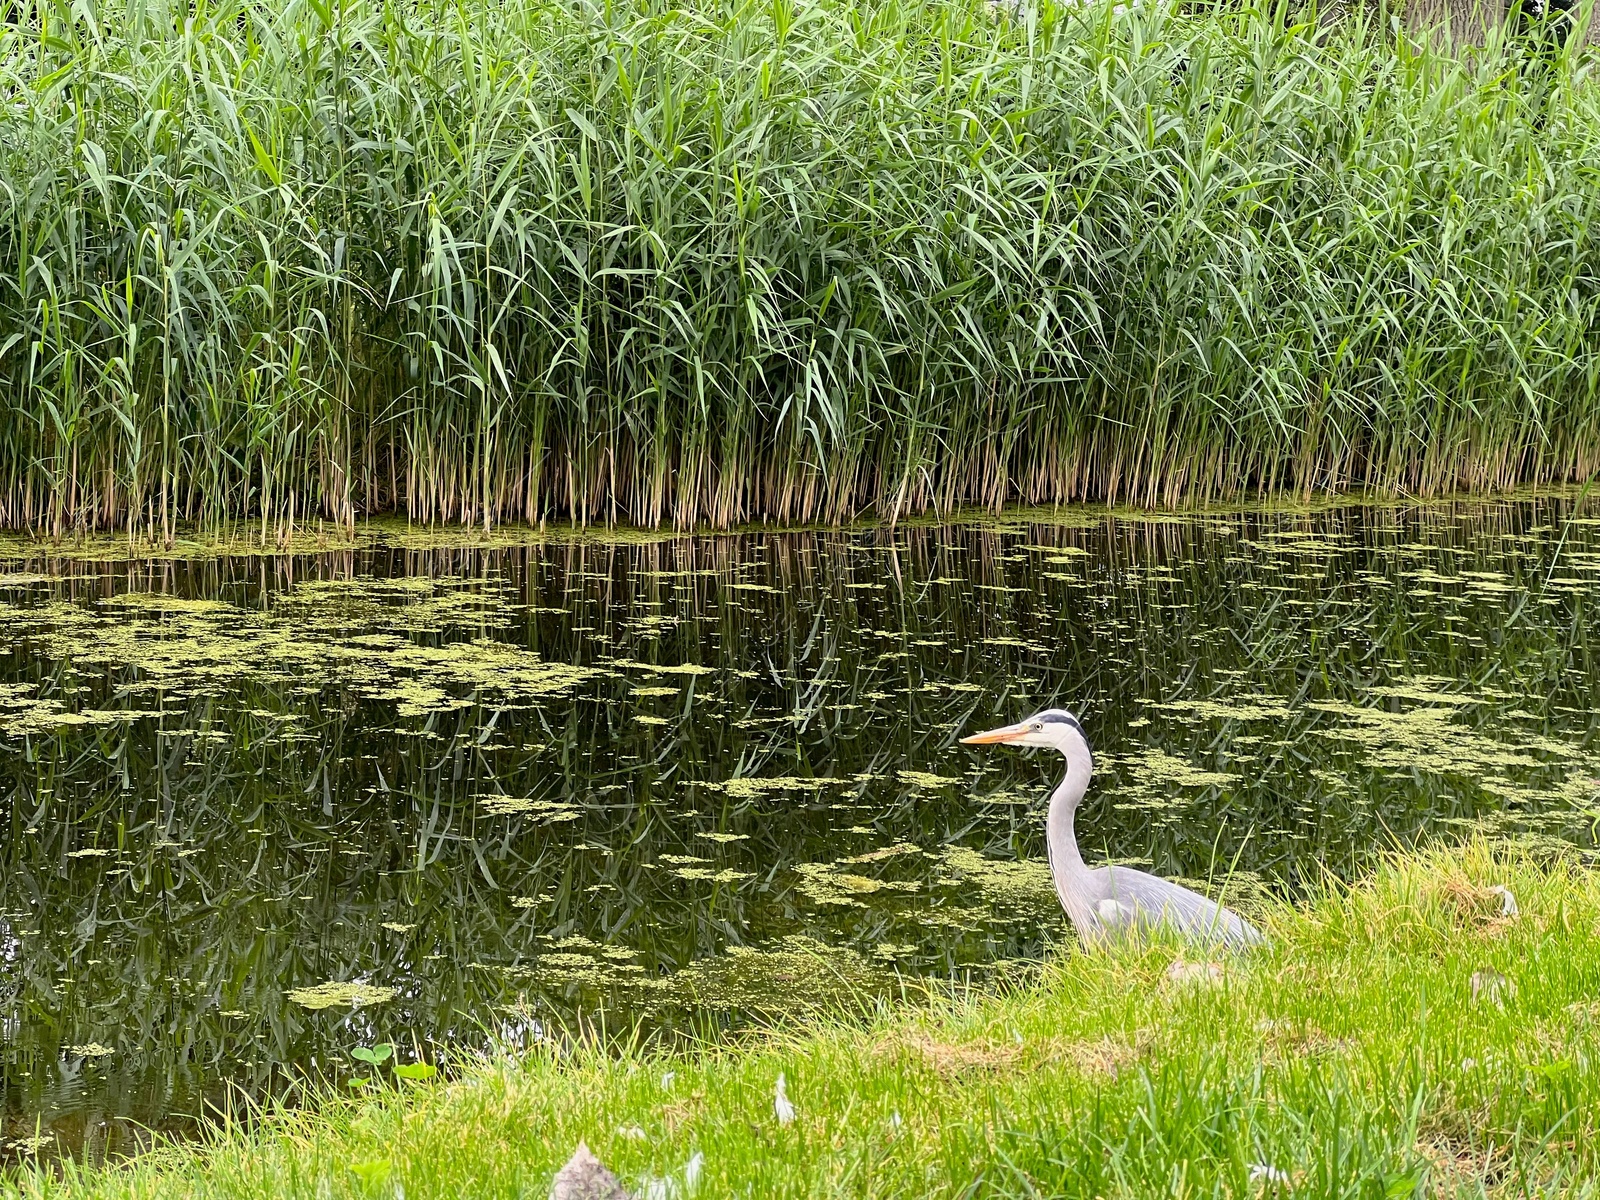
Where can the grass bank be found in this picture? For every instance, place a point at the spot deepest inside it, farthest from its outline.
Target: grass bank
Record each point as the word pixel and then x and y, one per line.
pixel 1406 1037
pixel 729 261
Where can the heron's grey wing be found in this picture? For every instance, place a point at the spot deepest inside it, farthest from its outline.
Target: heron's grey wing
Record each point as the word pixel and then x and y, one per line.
pixel 1145 902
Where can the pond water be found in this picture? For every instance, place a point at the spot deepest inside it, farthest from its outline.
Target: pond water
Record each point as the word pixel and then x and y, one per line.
pixel 260 811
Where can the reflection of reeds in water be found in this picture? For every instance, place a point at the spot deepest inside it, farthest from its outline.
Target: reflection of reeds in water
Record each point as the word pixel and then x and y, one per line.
pixel 273 830
pixel 618 262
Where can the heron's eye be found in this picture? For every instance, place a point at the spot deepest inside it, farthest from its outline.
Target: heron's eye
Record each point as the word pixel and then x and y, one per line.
pixel 1037 727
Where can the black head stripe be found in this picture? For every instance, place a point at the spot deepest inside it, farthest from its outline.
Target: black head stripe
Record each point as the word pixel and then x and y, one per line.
pixel 1057 716
pixel 1060 716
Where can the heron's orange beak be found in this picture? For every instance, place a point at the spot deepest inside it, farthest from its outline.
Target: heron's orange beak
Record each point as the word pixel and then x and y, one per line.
pixel 992 737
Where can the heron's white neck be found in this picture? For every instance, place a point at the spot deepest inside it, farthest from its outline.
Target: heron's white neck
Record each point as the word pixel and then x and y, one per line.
pixel 1066 864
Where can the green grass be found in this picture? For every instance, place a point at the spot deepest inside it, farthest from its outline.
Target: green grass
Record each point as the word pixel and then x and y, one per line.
pixel 1358 1057
pixel 760 259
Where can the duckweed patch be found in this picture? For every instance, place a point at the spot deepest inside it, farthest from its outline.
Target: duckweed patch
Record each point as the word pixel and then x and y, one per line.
pixel 352 634
pixel 337 994
pixel 754 789
pixel 1017 887
pixel 800 974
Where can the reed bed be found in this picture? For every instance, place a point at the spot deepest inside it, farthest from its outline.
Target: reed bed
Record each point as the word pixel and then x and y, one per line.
pixel 741 260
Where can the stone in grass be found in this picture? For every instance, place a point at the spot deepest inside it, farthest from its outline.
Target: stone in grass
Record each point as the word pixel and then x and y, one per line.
pixel 1195 972
pixel 585 1178
pixel 1492 987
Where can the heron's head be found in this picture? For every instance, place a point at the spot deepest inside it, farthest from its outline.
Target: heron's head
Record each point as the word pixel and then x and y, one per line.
pixel 1054 729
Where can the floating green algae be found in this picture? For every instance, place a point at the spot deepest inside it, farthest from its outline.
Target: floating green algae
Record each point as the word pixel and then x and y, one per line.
pixel 1017 885
pixel 712 875
pixel 550 812
pixel 1262 708
pixel 662 668
pixel 829 884
pixel 189 545
pixel 797 975
pixel 182 648
pixel 794 975
pixel 337 994
pixel 925 779
pixel 1428 736
pixel 37 716
pixel 1157 770
pixel 753 788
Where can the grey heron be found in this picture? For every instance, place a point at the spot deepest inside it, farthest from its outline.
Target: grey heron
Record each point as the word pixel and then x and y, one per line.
pixel 1104 902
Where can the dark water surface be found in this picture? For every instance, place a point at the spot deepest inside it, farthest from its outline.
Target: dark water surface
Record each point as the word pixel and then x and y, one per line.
pixel 257 812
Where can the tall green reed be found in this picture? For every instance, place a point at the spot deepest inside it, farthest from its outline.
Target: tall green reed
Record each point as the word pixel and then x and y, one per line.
pixel 773 260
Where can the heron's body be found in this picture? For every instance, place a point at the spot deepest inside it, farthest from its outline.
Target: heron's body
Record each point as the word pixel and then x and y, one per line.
pixel 1106 902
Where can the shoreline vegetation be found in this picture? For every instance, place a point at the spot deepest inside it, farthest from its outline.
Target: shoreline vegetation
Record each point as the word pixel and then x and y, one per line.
pixel 189 540
pixel 1428 1031
pixel 630 263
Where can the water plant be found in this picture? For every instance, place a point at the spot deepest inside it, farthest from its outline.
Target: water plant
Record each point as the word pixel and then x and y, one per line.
pixel 738 260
